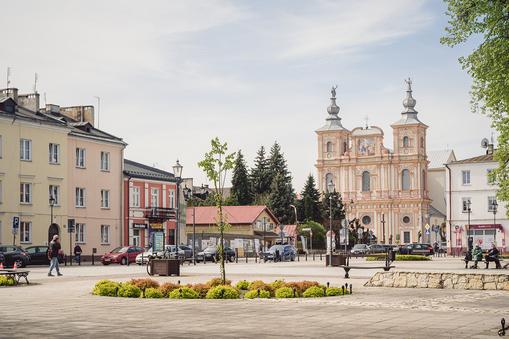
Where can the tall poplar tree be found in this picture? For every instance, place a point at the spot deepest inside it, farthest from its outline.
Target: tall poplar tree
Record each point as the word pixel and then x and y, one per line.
pixel 260 182
pixel 241 187
pixel 280 200
pixel 310 201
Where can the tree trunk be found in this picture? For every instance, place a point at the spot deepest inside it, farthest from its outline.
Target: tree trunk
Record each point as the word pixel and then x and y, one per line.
pixel 221 244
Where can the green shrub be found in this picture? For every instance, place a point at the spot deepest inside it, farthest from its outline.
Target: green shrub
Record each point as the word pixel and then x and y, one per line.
pixel 254 294
pixel 184 293
pixel 301 286
pixel 313 292
pixel 166 288
pixel 260 285
pixel 222 292
pixel 127 290
pixel 243 285
pixel 277 284
pixel 334 291
pixel 144 283
pixel 152 292
pixel 284 292
pixel 218 281
pixel 201 289
pixel 7 281
pixel 106 288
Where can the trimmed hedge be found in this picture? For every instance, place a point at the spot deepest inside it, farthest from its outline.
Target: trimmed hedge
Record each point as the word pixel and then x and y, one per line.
pixel 106 288
pixel 243 285
pixel 152 292
pixel 260 285
pixel 166 288
pixel 127 290
pixel 218 281
pixel 399 257
pixel 222 292
pixel 333 291
pixel 313 292
pixel 277 284
pixel 184 293
pixel 254 294
pixel 7 281
pixel 144 283
pixel 285 292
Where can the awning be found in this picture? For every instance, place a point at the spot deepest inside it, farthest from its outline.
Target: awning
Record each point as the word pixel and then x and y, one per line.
pixel 485 226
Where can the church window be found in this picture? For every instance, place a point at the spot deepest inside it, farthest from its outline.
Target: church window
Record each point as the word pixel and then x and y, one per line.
pixel 406 141
pixel 345 147
pixel 422 142
pixel 366 220
pixel 328 179
pixel 405 180
pixel 366 182
pixel 406 219
pixel 329 146
pixel 423 180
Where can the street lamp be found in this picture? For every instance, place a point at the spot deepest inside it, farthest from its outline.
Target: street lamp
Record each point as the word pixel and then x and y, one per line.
pixel 188 194
pixel 330 188
pixel 494 207
pixel 51 204
pixel 383 228
pixel 177 171
pixel 296 220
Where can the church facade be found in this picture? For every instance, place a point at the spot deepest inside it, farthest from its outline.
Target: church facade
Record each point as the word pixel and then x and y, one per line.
pixel 385 189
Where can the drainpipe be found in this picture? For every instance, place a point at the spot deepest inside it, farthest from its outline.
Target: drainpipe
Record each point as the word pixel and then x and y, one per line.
pixel 128 208
pixel 450 206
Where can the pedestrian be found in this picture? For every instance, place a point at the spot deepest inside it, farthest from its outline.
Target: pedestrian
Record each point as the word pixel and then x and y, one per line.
pixel 276 259
pixel 436 248
pixel 492 255
pixel 476 255
pixel 77 253
pixel 54 250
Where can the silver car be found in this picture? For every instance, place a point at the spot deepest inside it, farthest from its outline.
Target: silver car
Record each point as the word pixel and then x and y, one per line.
pixel 142 258
pixel 360 249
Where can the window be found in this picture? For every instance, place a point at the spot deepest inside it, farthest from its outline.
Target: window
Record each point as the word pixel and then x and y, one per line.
pixel 105 199
pixel 328 180
pixel 488 176
pixel 105 161
pixel 329 146
pixel 80 233
pixel 154 198
pixel 466 203
pixel 54 153
pixel 1 193
pixel 25 232
pixel 80 157
pixel 80 197
pixel 172 198
pixel 406 219
pixel 105 234
pixel 406 237
pixel 466 177
pixel 25 193
pixel 366 220
pixel 406 142
pixel 54 192
pixel 135 197
pixel 135 238
pixel 366 182
pixel 405 180
pixel 25 148
pixel 491 202
pixel 422 142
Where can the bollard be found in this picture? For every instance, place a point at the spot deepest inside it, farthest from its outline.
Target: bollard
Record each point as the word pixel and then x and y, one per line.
pixel 246 257
pixel 294 292
pixel 256 257
pixel 298 256
pixel 320 256
pixel 342 290
pixel 143 292
pixel 258 293
pixel 313 256
pixel 204 259
pixel 328 284
pixel 116 291
pixel 65 261
pixel 178 282
pixel 236 255
pixel 306 256
pixel 350 288
pixel 325 290
pixel 93 262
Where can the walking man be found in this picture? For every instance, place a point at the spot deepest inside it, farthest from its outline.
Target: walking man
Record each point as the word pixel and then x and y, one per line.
pixel 54 249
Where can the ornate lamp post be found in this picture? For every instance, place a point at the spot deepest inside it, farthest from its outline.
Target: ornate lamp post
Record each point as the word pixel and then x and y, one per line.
pixel 296 219
pixel 51 204
pixel 177 171
pixel 330 187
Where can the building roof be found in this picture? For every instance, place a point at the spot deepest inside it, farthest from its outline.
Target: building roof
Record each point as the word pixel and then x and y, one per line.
pixel 333 121
pixel 234 214
pixel 436 213
pixel 136 170
pixel 438 158
pixel 478 159
pixel 371 130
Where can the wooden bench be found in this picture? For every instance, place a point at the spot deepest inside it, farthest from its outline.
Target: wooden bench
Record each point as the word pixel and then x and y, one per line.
pixel 16 274
pixel 347 268
pixel 485 262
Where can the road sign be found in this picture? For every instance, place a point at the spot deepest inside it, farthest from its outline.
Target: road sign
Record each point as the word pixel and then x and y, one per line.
pixel 70 225
pixel 15 225
pixel 427 231
pixel 426 226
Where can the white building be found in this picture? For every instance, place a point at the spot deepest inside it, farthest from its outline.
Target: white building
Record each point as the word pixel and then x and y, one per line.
pixel 468 188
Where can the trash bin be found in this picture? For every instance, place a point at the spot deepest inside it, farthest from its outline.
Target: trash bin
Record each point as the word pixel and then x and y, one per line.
pixel 336 260
pixel 165 267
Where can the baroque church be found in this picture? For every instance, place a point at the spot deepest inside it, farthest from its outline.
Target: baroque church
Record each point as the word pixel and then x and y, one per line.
pixel 385 189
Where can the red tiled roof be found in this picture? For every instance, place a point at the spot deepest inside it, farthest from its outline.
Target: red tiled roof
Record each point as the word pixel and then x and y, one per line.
pixel 290 230
pixel 234 214
pixel 481 158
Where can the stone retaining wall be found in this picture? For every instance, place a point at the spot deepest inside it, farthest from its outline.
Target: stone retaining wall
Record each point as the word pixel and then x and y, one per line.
pixel 440 280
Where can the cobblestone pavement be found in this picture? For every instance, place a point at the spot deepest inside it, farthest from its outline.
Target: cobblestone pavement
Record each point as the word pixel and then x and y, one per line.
pixel 63 307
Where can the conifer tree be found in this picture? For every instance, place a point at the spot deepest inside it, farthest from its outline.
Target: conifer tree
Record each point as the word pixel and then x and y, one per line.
pixel 241 188
pixel 280 199
pixel 310 201
pixel 260 184
pixel 277 163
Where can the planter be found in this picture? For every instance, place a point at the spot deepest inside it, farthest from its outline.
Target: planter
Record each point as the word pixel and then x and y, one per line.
pixel 165 267
pixel 337 259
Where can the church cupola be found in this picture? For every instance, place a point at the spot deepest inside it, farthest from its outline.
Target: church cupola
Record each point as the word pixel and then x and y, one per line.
pixel 333 121
pixel 409 114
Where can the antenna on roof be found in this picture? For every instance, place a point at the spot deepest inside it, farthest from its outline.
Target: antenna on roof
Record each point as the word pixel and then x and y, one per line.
pixel 98 109
pixel 35 83
pixel 8 77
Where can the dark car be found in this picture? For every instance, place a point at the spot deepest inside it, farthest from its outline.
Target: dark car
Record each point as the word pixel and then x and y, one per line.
pixel 419 249
pixel 286 253
pixel 210 254
pixel 188 251
pixel 121 255
pixel 14 254
pixel 39 255
pixel 377 248
pixel 2 258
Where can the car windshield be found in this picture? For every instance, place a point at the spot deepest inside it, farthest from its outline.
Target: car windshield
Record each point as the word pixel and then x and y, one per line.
pixel 119 250
pixel 210 249
pixel 276 247
pixel 359 246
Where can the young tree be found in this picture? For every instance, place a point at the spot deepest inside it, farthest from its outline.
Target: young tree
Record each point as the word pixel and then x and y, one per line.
pixel 241 187
pixel 280 200
pixel 338 212
pixel 318 233
pixel 216 165
pixel 488 65
pixel 260 184
pixel 310 201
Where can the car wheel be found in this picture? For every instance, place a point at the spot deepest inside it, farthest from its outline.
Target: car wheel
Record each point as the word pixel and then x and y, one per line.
pixel 20 263
pixel 232 258
pixel 123 261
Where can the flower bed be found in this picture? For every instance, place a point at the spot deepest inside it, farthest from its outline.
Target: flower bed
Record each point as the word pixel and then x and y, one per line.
pixel 399 257
pixel 279 289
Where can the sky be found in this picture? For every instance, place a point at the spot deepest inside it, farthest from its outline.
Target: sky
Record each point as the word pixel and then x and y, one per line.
pixel 171 75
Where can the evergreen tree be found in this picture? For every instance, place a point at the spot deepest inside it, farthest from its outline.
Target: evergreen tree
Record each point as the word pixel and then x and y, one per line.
pixel 277 164
pixel 280 199
pixel 241 190
pixel 260 184
pixel 310 198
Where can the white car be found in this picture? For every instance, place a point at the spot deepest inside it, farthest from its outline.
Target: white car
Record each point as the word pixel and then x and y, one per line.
pixel 142 258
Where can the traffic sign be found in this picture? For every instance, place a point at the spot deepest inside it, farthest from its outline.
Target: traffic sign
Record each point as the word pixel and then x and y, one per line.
pixel 70 225
pixel 426 226
pixel 427 231
pixel 15 225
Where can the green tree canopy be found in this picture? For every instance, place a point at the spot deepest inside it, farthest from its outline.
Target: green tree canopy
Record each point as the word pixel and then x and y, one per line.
pixel 486 22
pixel 318 233
pixel 277 163
pixel 310 201
pixel 260 181
pixel 241 187
pixel 281 199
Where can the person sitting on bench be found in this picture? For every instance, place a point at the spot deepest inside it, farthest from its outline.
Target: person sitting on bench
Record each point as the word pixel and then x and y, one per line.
pixel 492 255
pixel 476 255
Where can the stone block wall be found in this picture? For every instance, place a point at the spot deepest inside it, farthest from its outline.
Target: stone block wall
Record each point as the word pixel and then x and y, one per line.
pixel 463 281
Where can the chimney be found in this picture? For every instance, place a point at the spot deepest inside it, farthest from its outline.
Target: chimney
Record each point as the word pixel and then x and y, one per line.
pixel 29 101
pixel 79 113
pixel 51 108
pixel 9 93
pixel 490 149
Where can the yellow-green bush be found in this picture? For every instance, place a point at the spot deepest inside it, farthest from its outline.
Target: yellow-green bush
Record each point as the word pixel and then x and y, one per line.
pixel 7 281
pixel 313 292
pixel 152 292
pixel 222 292
pixel 243 285
pixel 106 288
pixel 127 290
pixel 285 292
pixel 184 293
pixel 254 294
pixel 333 291
pixel 277 284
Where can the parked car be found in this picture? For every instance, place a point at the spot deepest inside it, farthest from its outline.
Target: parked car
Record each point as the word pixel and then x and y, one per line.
pixel 377 248
pixel 171 249
pixel 420 249
pixel 14 254
pixel 188 251
pixel 121 255
pixel 360 249
pixel 142 258
pixel 2 258
pixel 286 253
pixel 210 254
pixel 39 255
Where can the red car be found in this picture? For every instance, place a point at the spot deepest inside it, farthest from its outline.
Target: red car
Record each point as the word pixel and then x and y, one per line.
pixel 121 255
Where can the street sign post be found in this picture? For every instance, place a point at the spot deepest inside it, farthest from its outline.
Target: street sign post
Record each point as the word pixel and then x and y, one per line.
pixel 15 228
pixel 70 229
